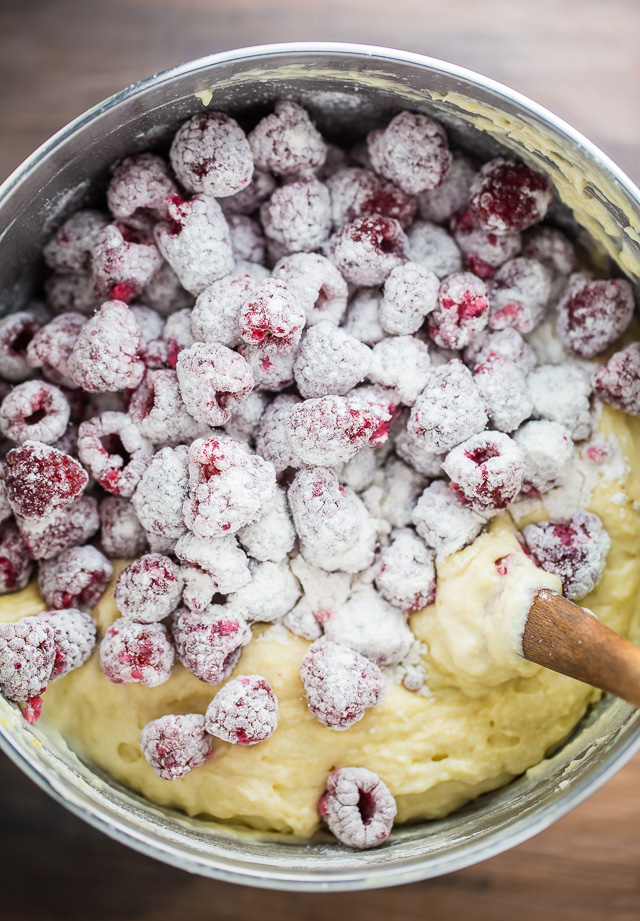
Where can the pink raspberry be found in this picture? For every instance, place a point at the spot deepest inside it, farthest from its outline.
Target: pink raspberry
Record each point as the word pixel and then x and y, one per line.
pixel 249 199
pixel 71 293
pixel 247 239
pixel 506 395
pixel 340 684
pixel 140 182
pixel 449 409
pixel 505 343
pixel 550 247
pixel 385 407
pixel 326 516
pixel 269 594
pixel 175 744
pixel 486 471
pixel 329 430
pixel 150 324
pixel 330 361
pixel 592 314
pixel 106 353
pixel 406 572
pixel 485 250
pixel 411 151
pixel 69 249
pixel 165 293
pixel 41 480
pixel 245 422
pixel 176 336
pixel 272 440
pixel 336 159
pixel 271 370
pixel 298 215
pixel 410 448
pixel 316 284
pixel 15 563
pixel 575 550
pixel 52 345
pixel 5 506
pixel 199 588
pixel 618 382
pixel 34 411
pixel 547 449
pixel 78 578
pixel 286 142
pixel 358 192
pixel 368 249
pixel 216 315
pixel 271 318
pixel 228 487
pixel 410 294
pixel 401 363
pixel 158 411
pixel 507 197
pixel 370 626
pixel 393 492
pixel 358 807
pixel 16 332
pixel 161 493
pixel 431 247
pixel 520 291
pixel 213 381
pixel 115 452
pixel 452 194
pixel 123 262
pixel 462 311
pixel 443 522
pixel 244 711
pixel 27 655
pixel 74 635
pixel 121 534
pixel 148 589
pixel 132 652
pixel 272 536
pixel 561 393
pixel 210 645
pixel 210 153
pixel 362 319
pixel 73 525
pixel 195 241
pixel 220 558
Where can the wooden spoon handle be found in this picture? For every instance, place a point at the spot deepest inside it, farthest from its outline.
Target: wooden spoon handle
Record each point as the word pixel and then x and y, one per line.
pixel 563 637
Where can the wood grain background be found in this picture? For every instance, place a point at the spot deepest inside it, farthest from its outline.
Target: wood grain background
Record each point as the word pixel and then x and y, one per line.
pixel 580 58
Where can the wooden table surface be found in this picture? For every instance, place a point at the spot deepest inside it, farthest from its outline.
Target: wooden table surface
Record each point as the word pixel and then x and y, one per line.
pixel 580 58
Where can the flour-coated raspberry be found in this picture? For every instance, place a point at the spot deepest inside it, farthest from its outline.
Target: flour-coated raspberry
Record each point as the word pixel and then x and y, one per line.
pixel 69 527
pixel 361 470
pixel 16 564
pixel 244 711
pixel 412 451
pixel 16 332
pixel 216 314
pixel 330 361
pixel 40 480
pixel 74 635
pixel 69 249
pixel 271 318
pixel 5 506
pixel 401 363
pixel 228 487
pixel 485 250
pixel 548 451
pixel 486 471
pixel 160 495
pixel 298 215
pixel 27 654
pixel 504 343
pixel 575 550
pixel 385 406
pixel 394 495
pixel 506 196
pixel 357 192
pixel 336 159
pixel 121 534
pixel 433 248
pixel 411 151
pixel 210 644
pixel 520 291
pixel 245 422
pixel 317 285
pixel 322 591
pixel 210 153
pixel 410 294
pixel 247 239
pixel 452 194
pixel 561 393
pixel 331 429
pixel 157 409
pixel 367 250
pixel 272 441
pixel 550 247
pixel 358 807
pixel 286 142
pixel 449 410
pixel 249 199
pixel 370 626
pixel 462 311
pixel 148 589
pixel 78 578
pixel 141 181
pixel 272 370
pixel 176 335
pixel 406 572
pixel 213 381
pixel 165 293
pixel 150 324
pixel 195 241
pixel 175 744
pixel 106 353
pixel 219 557
pixel 443 522
pixel 272 536
pixel 358 557
pixel 132 652
pixel 72 292
pixel 340 684
pixel 362 319
pixel 506 395
pixel 51 347
pixel 199 588
pixel 618 382
pixel 592 314
pixel 115 452
pixel 271 593
pixel 34 411
pixel 123 262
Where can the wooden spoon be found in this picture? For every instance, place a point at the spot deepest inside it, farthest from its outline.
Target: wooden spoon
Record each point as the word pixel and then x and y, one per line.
pixel 563 637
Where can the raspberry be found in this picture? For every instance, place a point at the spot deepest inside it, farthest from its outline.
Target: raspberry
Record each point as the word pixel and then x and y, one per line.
pixel 148 589
pixel 550 247
pixel 561 393
pixel 142 181
pixel 27 654
pixel 385 407
pixel 123 262
pixel 115 452
pixel 78 578
pixel 244 711
pixel 361 470
pixel 52 345
pixel 506 395
pixel 210 153
pixel 507 197
pixel 210 644
pixel 165 293
pixel 358 807
pixel 326 516
pixel 196 241
pixel 443 522
pixel 618 382
pixel 411 151
pixel 121 534
pixel 449 409
pixel 330 361
pixel 340 684
pixel 520 291
pixel 271 318
pixel 175 744
pixel 362 319
pixel 336 159
pixel 451 195
pixel 298 215
pixel 410 448
pixel 461 312
pixel 271 593
pixel 486 471
pixel 548 450
pixel 271 370
pixel 249 199
pixel 286 142
pixel 220 558
pixel 161 492
pixel 16 332
pixel 247 239
pixel 410 293
pixel 199 588
pixel 371 627
pixel 176 336
pixel 73 525
pixel 228 487
pixel 69 249
pixel 15 563
pixel 41 480
pixel 316 284
pixel 331 429
pixel 358 192
pixel 5 506
pixel 149 323
pixel 575 550
pixel 213 381
pixel 106 353
pixel 505 343
pixel 132 652
pixel 272 536
pixel 272 441
pixel 432 248
pixel 323 593
pixel 406 574
pixel 216 315
pixel 403 364
pixel 394 496
pixel 34 411
pixel 368 249
pixel 593 314
pixel 74 636
pixel 485 250
pixel 245 422
pixel 71 293
pixel 158 411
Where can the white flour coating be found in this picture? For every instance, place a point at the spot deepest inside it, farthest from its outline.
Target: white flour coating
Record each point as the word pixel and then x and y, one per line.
pixel 330 361
pixel 362 319
pixel 443 522
pixel 561 393
pixel 371 626
pixel 433 248
pixel 410 294
pixel 220 557
pixel 272 536
pixel 403 364
pixel 271 593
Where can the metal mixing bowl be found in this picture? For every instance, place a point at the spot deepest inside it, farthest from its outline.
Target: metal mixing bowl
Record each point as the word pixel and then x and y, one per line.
pixel 348 89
